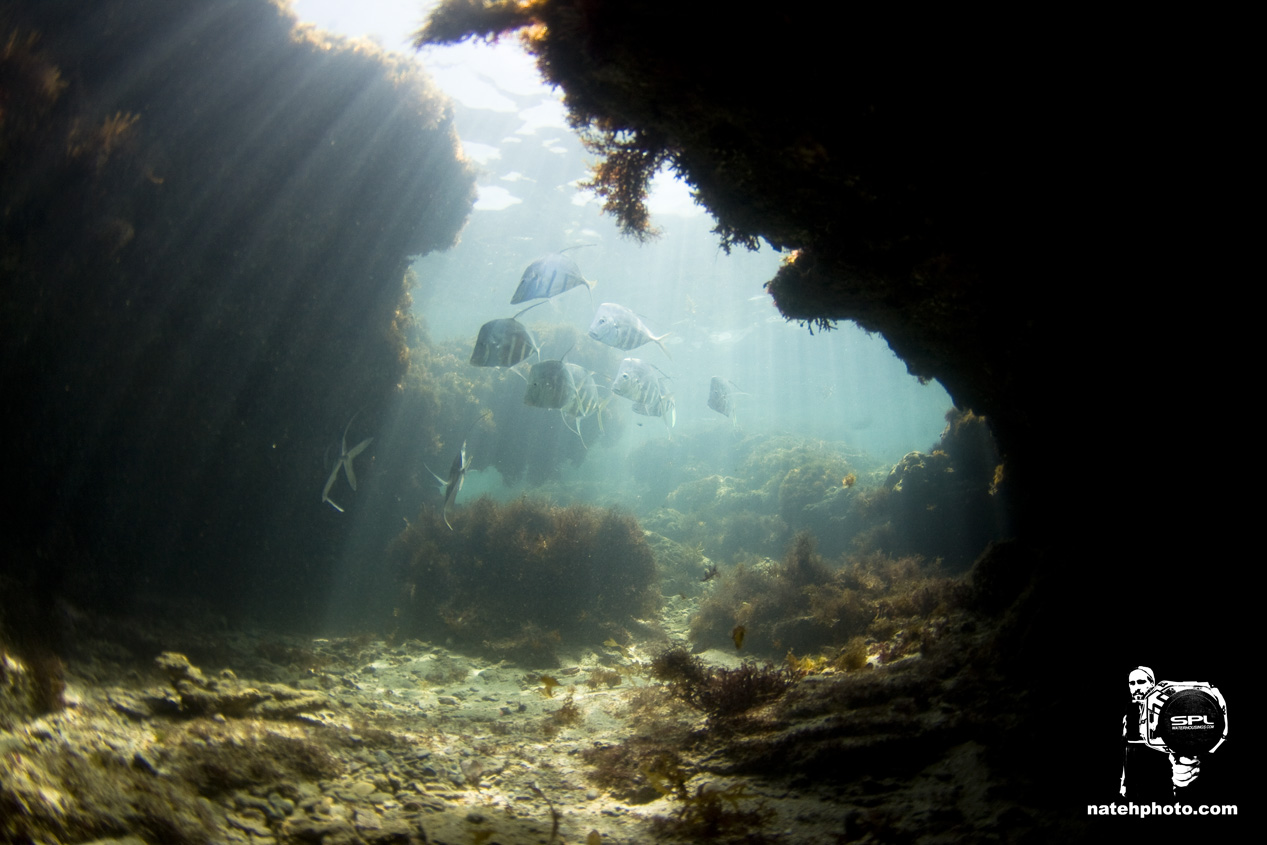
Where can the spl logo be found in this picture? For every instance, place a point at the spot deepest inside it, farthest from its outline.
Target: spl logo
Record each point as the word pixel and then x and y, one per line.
pixel 1192 719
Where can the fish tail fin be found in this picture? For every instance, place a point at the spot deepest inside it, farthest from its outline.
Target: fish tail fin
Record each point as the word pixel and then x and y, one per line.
pixel 325 494
pixel 577 430
pixel 347 460
pixel 325 491
pixel 344 445
pixel 661 345
pixel 601 408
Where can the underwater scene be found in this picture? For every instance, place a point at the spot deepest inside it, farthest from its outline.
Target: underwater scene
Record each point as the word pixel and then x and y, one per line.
pixel 488 422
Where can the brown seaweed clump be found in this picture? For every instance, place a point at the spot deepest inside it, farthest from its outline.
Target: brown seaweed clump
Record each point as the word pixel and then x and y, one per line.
pixel 521 578
pixel 803 605
pixel 721 693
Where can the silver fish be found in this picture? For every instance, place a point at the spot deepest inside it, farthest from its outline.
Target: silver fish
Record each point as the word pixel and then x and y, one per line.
pixel 549 276
pixel 661 406
pixel 588 399
pixel 584 386
pixel 615 325
pixel 637 381
pixel 453 484
pixel 550 385
pixel 503 343
pixel 344 463
pixel 722 394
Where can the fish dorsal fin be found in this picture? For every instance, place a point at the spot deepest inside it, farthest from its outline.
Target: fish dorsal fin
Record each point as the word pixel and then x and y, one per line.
pixel 515 369
pixel 343 446
pixel 442 481
pixel 529 308
pixel 483 416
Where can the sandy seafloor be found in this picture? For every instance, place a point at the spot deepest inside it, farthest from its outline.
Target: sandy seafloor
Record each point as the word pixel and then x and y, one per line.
pixel 266 738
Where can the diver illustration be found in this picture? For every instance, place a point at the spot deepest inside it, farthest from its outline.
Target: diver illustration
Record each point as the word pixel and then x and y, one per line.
pixel 345 463
pixel 1185 721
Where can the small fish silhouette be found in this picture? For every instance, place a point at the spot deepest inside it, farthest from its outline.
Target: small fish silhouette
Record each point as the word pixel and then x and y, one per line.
pixel 453 484
pixel 344 463
pixel 722 394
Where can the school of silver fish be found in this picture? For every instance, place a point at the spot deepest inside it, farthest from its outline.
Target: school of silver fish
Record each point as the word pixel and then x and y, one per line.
pixel 559 385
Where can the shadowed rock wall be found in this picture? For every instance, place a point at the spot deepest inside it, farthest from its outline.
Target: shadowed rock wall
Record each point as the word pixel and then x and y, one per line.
pixel 207 216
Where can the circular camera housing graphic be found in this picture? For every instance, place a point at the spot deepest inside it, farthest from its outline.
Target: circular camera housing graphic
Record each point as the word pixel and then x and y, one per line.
pixel 1187 718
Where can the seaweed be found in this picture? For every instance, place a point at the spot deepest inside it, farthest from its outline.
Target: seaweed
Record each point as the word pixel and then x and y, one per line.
pixel 708 812
pixel 56 794
pixel 452 22
pixel 806 605
pixel 622 178
pixel 600 676
pixel 48 682
pixel 721 693
pixel 216 758
pixel 522 578
pixel 566 715
pixel 715 813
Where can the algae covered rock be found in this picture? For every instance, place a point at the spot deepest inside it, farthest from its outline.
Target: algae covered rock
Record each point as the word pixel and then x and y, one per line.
pixel 195 695
pixel 683 568
pixel 945 503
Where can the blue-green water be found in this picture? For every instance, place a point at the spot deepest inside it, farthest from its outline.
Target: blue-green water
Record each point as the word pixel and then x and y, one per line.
pixel 844 386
